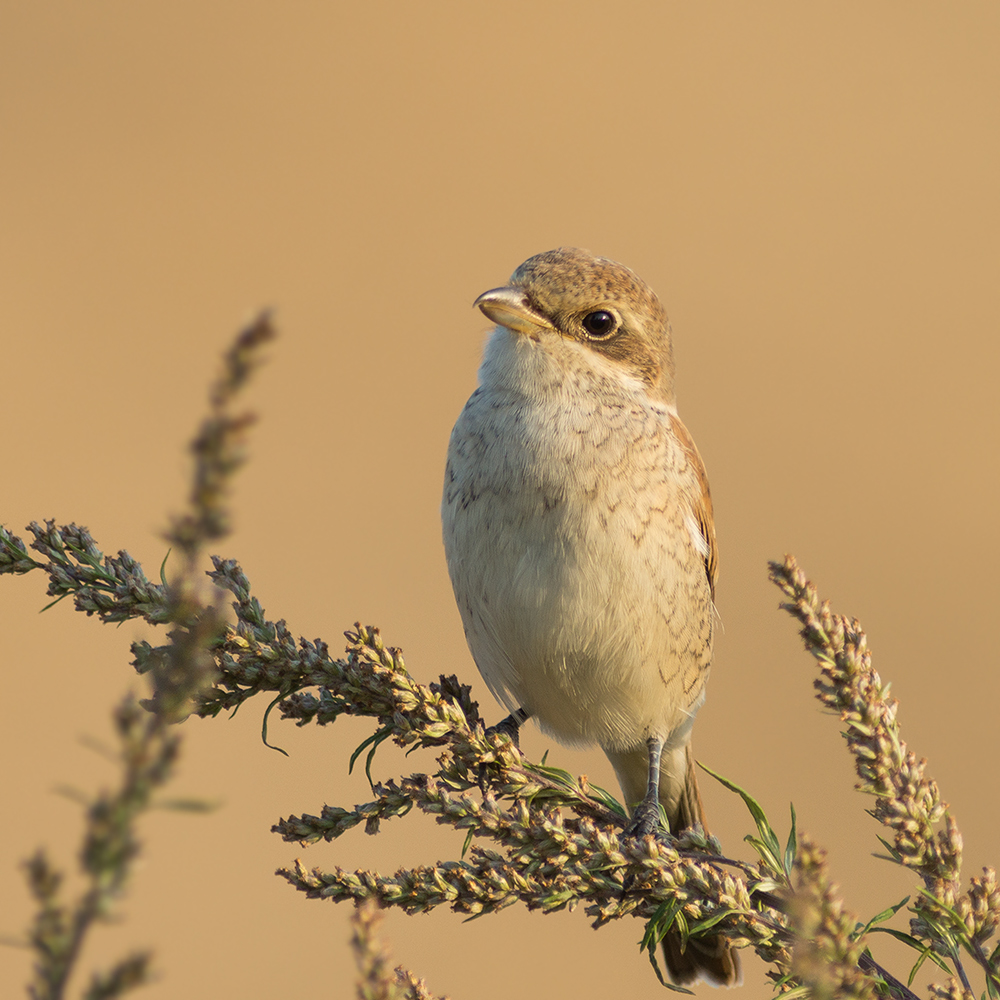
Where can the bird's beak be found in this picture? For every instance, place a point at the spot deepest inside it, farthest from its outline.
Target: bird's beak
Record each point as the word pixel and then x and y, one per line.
pixel 510 307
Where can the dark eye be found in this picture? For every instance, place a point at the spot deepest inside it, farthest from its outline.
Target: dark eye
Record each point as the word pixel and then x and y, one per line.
pixel 599 324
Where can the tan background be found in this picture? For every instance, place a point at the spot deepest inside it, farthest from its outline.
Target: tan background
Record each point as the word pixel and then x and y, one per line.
pixel 812 189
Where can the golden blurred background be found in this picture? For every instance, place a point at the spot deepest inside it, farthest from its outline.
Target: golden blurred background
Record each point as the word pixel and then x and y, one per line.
pixel 811 188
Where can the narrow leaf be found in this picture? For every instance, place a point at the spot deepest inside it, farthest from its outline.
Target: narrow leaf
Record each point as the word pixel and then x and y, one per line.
pixel 468 841
pixel 659 923
pixel 187 805
pixel 52 604
pixel 792 844
pixel 361 748
pixel 608 800
pixel 912 942
pixel 371 757
pixel 767 855
pixel 704 925
pixel 767 834
pixel 894 854
pixel 883 916
pixel 991 986
pixel 263 725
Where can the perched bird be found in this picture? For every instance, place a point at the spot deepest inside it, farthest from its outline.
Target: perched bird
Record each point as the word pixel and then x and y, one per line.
pixel 579 537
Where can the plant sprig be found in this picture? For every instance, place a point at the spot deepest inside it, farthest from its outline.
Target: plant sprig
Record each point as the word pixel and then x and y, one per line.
pixel 533 834
pixel 148 742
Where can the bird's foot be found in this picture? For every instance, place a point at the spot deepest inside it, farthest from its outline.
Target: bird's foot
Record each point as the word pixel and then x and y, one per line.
pixel 645 822
pixel 645 819
pixel 509 727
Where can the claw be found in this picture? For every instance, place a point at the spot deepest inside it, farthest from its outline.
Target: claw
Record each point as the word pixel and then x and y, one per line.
pixel 646 817
pixel 509 727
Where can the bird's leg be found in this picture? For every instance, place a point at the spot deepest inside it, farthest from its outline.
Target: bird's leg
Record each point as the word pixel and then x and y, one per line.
pixel 508 727
pixel 646 818
pixel 511 726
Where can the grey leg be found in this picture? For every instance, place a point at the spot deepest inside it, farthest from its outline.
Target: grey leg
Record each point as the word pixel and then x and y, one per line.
pixel 511 725
pixel 646 818
pixel 508 727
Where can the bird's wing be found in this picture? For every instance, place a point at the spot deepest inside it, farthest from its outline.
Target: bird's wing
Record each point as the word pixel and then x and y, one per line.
pixel 701 500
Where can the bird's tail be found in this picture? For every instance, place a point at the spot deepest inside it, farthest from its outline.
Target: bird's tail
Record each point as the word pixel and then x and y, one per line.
pixel 711 958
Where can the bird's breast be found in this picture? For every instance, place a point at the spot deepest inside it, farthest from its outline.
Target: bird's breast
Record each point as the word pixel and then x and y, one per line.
pixel 573 566
pixel 565 461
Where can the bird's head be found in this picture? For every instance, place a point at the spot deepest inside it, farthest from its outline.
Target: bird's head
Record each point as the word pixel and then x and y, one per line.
pixel 595 302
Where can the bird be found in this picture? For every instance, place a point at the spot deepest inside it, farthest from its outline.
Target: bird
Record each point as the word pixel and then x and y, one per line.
pixel 580 541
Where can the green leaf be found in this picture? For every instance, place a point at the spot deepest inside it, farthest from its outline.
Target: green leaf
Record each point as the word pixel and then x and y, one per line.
pixel 883 916
pixel 74 795
pixel 928 952
pixel 894 855
pixel 468 841
pixel 656 966
pixel 608 801
pixel 797 993
pixel 991 986
pixel 163 568
pixel 768 885
pixel 782 981
pixel 376 738
pixel 187 805
pixel 666 982
pixel 656 929
pixel 959 922
pixel 263 725
pixel 767 846
pixel 486 911
pixel 916 945
pixel 908 939
pixel 52 604
pixel 704 925
pixel 556 775
pixel 659 923
pixel 768 856
pixel 792 844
